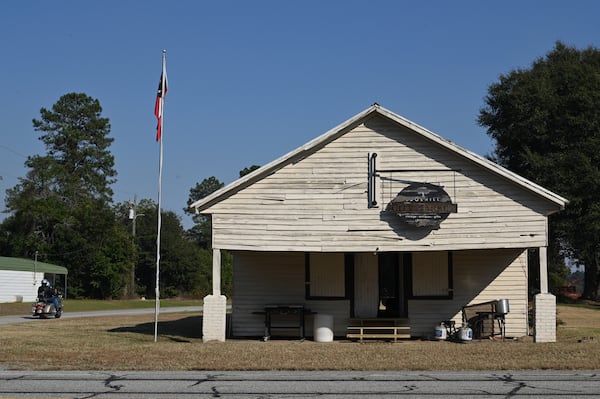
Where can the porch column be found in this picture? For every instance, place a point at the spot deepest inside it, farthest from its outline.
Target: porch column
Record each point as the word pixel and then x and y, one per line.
pixel 543 270
pixel 215 305
pixel 544 305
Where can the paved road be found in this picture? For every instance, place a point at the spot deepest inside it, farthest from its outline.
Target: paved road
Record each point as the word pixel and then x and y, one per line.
pixel 286 384
pixel 69 315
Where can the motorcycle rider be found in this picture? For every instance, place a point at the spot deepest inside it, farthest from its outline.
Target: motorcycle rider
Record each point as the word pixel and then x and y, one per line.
pixel 49 294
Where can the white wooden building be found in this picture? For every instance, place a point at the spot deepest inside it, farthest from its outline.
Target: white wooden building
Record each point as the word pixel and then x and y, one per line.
pixel 380 218
pixel 20 278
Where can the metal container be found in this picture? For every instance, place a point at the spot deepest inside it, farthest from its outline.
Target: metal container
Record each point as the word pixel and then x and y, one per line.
pixel 502 306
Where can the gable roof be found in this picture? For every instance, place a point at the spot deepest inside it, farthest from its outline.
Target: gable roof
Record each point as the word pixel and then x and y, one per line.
pixel 339 130
pixel 29 265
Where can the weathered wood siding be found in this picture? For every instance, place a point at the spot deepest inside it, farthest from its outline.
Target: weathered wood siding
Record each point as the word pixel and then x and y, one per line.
pixel 18 285
pixel 261 279
pixel 319 202
pixel 479 276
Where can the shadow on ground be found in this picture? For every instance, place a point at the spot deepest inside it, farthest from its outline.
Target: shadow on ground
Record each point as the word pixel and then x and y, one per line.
pixel 180 330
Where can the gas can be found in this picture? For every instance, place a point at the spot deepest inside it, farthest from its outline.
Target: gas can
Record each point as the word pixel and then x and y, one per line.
pixel 440 332
pixel 465 333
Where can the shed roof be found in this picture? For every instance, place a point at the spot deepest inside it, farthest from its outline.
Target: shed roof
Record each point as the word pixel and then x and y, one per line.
pixel 30 265
pixel 339 130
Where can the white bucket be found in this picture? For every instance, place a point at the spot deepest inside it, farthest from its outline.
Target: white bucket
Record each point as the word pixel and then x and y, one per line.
pixel 323 328
pixel 440 332
pixel 465 333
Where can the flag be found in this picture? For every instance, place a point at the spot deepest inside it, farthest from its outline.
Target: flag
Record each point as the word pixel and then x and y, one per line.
pixel 160 99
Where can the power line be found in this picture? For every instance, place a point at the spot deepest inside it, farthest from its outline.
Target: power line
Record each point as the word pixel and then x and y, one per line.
pixel 13 151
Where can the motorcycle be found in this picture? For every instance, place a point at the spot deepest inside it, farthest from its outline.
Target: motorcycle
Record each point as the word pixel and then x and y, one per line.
pixel 44 308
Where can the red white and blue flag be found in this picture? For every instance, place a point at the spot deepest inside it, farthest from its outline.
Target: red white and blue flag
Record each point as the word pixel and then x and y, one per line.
pixel 160 100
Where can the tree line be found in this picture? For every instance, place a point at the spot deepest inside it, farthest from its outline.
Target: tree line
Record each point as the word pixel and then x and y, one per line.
pixel 62 212
pixel 544 121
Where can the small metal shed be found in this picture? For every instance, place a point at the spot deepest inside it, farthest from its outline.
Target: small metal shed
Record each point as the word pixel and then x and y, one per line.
pixel 20 278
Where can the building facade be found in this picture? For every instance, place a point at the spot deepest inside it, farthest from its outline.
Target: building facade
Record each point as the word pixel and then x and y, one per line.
pixel 379 218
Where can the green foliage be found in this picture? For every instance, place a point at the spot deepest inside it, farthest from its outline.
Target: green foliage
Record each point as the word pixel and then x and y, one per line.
pixel 545 121
pixel 201 232
pixel 202 190
pixel 61 208
pixel 184 270
pixel 248 170
pixel 78 157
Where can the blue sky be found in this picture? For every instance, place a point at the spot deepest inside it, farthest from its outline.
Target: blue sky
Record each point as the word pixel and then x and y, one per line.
pixel 252 80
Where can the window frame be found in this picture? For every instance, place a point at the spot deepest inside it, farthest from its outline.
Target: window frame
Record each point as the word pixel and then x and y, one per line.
pixel 408 259
pixel 348 277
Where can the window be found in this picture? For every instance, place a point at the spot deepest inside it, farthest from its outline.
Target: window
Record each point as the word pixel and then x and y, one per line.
pixel 431 275
pixel 326 276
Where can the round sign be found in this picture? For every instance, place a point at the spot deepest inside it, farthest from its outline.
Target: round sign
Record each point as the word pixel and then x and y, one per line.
pixel 422 205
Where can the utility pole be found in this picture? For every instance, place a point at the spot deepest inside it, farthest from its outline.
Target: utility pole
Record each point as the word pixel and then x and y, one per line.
pixel 35 267
pixel 133 215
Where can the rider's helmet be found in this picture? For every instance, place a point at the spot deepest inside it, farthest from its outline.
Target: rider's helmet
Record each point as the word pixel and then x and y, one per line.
pixel 45 282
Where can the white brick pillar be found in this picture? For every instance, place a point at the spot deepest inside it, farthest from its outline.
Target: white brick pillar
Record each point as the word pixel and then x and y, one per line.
pixel 545 318
pixel 215 306
pixel 544 305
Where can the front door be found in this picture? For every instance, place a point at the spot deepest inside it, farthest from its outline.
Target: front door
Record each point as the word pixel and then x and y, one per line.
pixel 392 302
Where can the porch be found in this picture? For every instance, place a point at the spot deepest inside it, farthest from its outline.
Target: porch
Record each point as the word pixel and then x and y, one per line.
pixel 389 296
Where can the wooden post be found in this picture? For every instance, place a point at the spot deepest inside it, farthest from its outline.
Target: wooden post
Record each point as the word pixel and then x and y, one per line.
pixel 216 272
pixel 543 270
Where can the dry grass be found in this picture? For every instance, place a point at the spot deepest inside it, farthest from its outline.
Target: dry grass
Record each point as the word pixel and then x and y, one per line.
pixel 127 343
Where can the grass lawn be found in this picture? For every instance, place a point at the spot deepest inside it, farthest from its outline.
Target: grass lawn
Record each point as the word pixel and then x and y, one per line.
pixel 127 343
pixel 87 305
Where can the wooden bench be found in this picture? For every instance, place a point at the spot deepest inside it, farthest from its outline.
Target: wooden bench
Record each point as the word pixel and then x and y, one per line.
pixel 362 329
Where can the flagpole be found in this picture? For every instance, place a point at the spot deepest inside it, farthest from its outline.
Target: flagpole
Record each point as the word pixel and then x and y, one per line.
pixel 159 219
